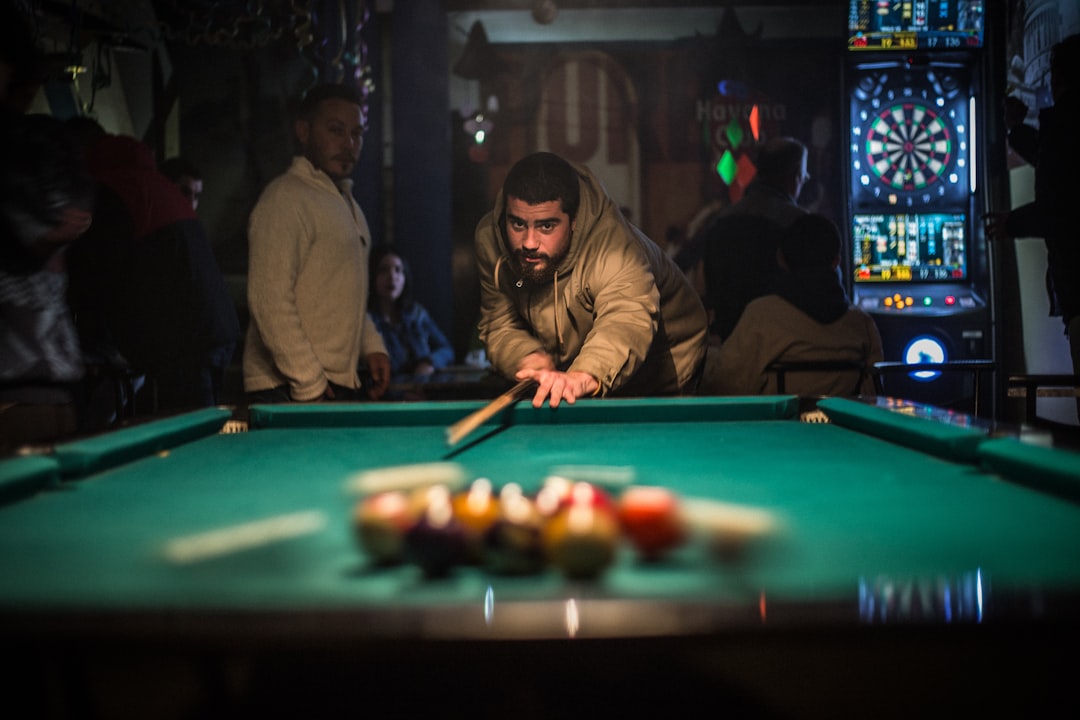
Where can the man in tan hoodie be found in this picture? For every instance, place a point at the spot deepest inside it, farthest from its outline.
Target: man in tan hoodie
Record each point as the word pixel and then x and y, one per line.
pixel 576 298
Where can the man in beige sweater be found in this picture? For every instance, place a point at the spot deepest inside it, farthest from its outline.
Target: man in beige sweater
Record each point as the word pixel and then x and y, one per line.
pixel 309 244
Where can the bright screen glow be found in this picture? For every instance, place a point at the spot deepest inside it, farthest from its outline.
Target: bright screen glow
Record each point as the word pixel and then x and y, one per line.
pixel 915 24
pixel 909 247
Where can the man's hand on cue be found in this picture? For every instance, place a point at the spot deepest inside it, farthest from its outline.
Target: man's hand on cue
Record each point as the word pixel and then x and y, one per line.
pixel 559 386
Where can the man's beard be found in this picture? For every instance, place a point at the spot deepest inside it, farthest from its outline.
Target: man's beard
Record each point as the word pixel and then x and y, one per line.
pixel 537 274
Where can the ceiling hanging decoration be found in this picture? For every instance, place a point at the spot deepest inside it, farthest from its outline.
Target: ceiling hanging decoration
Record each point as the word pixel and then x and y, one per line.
pixel 328 33
pixel 234 24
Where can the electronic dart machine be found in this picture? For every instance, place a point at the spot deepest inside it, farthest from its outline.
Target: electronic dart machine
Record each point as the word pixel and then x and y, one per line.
pixel 920 266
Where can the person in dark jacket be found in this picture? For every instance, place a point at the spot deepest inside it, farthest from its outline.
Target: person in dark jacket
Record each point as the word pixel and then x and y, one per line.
pixel 45 202
pixel 804 316
pixel 1054 150
pixel 162 296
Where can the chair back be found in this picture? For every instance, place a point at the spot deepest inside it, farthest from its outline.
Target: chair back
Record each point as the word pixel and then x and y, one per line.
pixel 844 368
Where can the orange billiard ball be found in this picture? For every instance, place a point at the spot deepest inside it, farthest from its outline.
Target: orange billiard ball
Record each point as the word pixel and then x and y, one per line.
pixel 477 509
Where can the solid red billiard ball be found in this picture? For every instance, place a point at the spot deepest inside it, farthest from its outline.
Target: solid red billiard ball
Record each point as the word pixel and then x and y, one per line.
pixel 380 522
pixel 652 520
pixel 581 540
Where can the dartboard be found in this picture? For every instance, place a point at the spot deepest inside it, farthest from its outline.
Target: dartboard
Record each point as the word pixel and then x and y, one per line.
pixel 910 136
pixel 908 146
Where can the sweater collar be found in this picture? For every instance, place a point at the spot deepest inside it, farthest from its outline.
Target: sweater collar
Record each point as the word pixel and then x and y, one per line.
pixel 302 167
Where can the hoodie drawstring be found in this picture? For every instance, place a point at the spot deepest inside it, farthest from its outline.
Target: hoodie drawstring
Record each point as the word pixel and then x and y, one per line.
pixel 555 304
pixel 555 307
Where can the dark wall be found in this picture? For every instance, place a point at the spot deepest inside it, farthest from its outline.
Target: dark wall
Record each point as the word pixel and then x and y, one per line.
pixel 421 153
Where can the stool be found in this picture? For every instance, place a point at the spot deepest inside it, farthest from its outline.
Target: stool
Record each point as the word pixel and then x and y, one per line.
pixel 821 366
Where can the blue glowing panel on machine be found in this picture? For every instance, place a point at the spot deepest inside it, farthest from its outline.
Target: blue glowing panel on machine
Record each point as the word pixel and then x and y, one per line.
pixel 909 247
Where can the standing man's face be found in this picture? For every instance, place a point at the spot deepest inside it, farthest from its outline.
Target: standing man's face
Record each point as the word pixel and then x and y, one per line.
pixel 333 136
pixel 539 236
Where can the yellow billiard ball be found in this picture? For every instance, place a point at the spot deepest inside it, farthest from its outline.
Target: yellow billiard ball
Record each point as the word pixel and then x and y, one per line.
pixel 581 539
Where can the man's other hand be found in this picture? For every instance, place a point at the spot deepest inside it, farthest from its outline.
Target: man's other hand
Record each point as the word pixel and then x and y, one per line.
pixel 378 365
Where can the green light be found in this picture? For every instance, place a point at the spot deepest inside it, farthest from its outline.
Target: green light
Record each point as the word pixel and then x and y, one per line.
pixel 734 133
pixel 727 167
pixel 927 301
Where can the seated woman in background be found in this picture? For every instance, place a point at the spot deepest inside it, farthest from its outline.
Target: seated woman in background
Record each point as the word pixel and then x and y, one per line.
pixel 417 347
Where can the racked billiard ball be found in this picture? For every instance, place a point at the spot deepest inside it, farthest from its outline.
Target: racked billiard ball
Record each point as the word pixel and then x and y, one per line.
pixel 552 495
pixel 652 519
pixel 559 492
pixel 436 541
pixel 512 545
pixel 581 539
pixel 380 522
pixel 477 509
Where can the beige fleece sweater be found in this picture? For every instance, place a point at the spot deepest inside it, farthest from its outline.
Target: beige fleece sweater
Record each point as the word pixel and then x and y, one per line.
pixel 307 285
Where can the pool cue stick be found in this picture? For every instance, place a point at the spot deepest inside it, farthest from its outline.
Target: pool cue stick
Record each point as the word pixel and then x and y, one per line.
pixel 459 430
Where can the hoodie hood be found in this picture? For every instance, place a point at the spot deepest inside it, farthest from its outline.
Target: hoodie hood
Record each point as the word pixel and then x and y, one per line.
pixel 815 291
pixel 593 204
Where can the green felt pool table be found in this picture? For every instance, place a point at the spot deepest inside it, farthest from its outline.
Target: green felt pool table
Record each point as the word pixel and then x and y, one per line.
pixel 914 551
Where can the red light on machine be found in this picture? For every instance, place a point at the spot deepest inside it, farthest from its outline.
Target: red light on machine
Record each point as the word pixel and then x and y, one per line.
pixel 950 300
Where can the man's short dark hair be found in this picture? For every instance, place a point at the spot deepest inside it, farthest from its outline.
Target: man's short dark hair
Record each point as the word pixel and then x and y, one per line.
pixel 327 91
pixel 811 241
pixel 780 158
pixel 543 177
